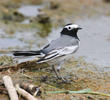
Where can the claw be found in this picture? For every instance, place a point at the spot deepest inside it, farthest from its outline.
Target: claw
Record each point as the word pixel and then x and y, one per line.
pixel 65 80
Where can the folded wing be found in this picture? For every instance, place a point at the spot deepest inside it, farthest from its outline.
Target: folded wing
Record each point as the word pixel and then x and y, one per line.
pixel 58 53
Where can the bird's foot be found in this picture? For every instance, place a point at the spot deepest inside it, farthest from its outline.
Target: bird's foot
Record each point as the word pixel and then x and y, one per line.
pixel 64 80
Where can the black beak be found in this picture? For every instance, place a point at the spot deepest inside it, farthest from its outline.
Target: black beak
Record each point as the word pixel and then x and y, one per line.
pixel 79 28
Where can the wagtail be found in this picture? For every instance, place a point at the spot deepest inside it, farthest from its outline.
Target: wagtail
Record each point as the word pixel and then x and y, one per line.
pixel 59 50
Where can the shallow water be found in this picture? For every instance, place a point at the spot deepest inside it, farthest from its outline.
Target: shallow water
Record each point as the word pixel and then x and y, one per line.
pixel 95 43
pixel 95 39
pixel 10 42
pixel 30 10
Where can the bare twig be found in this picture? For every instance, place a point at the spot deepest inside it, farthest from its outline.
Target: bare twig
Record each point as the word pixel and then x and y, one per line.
pixel 29 77
pixel 24 93
pixel 10 88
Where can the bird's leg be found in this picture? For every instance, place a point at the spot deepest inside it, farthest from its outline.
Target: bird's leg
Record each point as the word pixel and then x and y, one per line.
pixel 57 72
pixel 60 76
pixel 53 67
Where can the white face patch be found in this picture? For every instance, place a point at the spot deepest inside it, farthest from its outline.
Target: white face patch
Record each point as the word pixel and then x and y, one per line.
pixel 70 27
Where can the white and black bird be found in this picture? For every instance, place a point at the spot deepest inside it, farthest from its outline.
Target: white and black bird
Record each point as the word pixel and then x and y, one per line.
pixel 58 50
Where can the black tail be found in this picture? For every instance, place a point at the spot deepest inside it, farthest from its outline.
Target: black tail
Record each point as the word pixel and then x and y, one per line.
pixel 26 53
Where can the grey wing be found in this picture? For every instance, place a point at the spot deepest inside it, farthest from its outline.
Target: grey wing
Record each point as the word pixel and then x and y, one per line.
pixel 59 47
pixel 58 53
pixel 61 42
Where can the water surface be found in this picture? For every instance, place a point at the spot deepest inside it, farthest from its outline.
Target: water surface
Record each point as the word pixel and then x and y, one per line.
pixel 94 40
pixel 95 43
pixel 30 10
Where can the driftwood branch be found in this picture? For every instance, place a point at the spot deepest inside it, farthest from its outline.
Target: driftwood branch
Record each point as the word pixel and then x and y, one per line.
pixel 7 67
pixel 24 93
pixel 10 88
pixel 27 65
pixel 31 88
pixel 32 64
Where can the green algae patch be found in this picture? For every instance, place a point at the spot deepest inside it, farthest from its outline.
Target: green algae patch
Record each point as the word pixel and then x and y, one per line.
pixel 44 29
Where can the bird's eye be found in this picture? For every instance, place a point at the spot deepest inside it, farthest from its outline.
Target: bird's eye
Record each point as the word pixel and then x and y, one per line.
pixel 69 27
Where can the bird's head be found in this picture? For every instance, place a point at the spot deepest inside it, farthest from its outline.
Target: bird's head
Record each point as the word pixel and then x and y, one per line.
pixel 70 29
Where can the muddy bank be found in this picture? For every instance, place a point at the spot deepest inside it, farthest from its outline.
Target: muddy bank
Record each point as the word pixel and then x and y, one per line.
pixel 82 75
